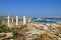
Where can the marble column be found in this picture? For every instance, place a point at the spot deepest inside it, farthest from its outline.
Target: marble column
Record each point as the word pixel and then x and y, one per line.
pixel 29 20
pixel 12 20
pixel 16 20
pixel 8 20
pixel 24 20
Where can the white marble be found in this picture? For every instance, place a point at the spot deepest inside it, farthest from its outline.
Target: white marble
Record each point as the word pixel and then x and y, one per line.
pixel 8 20
pixel 24 20
pixel 16 20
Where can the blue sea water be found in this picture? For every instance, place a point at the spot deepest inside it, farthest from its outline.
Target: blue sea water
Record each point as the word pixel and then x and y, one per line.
pixel 46 20
pixel 41 20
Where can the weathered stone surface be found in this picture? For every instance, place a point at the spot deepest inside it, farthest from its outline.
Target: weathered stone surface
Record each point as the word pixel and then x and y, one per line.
pixel 38 31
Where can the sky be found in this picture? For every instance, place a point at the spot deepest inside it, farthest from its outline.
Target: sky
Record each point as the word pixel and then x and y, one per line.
pixel 30 7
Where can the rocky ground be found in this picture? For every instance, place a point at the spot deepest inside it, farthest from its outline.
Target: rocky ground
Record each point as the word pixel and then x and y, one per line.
pixel 38 31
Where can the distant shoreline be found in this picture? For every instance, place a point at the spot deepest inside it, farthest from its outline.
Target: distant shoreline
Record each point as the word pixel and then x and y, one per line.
pixel 35 17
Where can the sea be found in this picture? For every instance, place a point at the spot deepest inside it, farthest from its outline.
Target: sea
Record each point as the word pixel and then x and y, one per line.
pixel 47 20
pixel 40 20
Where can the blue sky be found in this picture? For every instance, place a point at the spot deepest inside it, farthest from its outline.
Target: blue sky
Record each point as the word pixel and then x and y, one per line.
pixel 31 7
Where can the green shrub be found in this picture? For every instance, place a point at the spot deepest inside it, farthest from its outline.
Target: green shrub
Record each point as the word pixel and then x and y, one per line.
pixel 5 29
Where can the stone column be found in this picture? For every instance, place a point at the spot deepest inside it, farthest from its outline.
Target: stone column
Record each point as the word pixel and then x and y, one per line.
pixel 12 20
pixel 16 20
pixel 8 21
pixel 24 20
pixel 29 20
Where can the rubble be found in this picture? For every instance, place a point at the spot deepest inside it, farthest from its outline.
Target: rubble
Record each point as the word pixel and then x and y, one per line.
pixel 6 36
pixel 38 31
